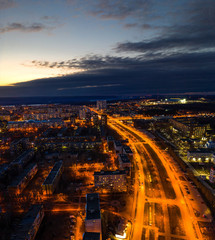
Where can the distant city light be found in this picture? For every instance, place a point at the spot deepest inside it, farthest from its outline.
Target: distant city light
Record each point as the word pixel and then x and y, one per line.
pixel 183 101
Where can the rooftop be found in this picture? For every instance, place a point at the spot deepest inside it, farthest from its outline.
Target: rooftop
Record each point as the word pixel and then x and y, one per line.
pixel 124 158
pixel 127 149
pixel 53 173
pixel 110 138
pixel 93 206
pixel 23 155
pixel 91 236
pixel 26 223
pixel 118 143
pixel 19 178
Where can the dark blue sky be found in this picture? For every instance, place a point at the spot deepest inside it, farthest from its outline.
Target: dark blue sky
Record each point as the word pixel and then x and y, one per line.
pixel 106 47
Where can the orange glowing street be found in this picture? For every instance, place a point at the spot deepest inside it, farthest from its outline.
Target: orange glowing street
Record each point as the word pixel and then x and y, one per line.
pixel 161 210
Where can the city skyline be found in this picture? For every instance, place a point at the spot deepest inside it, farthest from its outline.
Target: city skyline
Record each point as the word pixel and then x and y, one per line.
pixel 77 48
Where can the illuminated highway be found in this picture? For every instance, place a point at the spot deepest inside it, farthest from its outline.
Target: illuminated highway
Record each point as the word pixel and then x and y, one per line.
pixel 160 205
pixel 162 209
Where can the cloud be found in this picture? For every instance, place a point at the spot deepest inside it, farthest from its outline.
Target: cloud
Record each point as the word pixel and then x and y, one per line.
pixel 34 27
pixel 181 61
pixel 130 25
pixel 88 62
pixel 174 42
pixel 120 9
pixel 90 86
pixel 117 82
pixel 109 75
pixel 195 32
pixel 7 4
pixel 52 20
pixel 190 18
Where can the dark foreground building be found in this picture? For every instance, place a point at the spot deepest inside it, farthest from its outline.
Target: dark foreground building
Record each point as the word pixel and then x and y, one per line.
pixel 30 224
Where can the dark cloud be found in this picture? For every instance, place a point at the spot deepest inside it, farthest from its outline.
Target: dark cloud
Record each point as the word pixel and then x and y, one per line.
pixel 7 4
pixel 180 61
pixel 116 82
pixel 120 9
pixel 173 42
pixel 147 26
pixel 34 27
pixel 125 76
pixel 144 26
pixel 90 62
pixel 131 25
pixel 202 13
pixel 167 17
pixel 194 33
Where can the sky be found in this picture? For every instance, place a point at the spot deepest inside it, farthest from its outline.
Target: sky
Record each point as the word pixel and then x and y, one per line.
pixel 106 47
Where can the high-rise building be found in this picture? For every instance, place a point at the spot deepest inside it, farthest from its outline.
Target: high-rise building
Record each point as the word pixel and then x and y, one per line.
pixel 88 117
pixel 73 119
pixel 104 120
pixel 101 104
pixel 82 113
pixel 95 119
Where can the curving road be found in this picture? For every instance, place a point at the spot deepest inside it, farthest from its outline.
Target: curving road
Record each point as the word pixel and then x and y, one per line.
pixel 161 209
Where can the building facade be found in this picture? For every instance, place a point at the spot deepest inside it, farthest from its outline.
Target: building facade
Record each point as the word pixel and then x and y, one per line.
pixel 21 181
pixel 30 224
pixel 52 180
pixel 101 104
pixel 201 155
pixel 124 162
pixel 212 175
pixel 115 181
